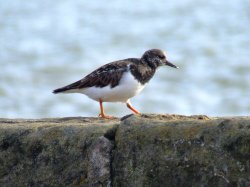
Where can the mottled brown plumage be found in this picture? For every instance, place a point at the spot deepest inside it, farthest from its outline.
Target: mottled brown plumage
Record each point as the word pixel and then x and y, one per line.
pixel 109 74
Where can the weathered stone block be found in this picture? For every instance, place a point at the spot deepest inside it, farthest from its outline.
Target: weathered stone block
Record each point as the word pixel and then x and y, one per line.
pixel 139 151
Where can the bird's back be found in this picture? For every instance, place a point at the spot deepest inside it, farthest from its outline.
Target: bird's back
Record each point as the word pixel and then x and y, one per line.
pixel 108 74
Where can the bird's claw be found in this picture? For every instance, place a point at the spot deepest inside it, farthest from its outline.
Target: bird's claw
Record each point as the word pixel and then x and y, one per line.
pixel 105 117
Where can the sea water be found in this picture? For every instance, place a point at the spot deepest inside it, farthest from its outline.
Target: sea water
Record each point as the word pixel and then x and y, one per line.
pixel 45 45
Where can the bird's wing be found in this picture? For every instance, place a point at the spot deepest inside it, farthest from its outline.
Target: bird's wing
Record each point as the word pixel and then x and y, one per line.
pixel 109 74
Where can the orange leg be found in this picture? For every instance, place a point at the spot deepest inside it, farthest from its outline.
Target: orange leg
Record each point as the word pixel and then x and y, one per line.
pixel 102 114
pixel 131 108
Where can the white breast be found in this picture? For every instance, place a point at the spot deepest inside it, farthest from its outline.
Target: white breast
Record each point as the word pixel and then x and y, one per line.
pixel 128 87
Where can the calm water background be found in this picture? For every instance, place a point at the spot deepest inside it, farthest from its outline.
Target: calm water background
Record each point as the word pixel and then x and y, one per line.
pixel 46 44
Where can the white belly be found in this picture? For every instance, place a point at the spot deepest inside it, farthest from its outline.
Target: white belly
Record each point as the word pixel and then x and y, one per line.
pixel 128 87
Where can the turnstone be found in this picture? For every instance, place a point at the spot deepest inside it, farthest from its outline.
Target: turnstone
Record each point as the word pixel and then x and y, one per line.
pixel 120 80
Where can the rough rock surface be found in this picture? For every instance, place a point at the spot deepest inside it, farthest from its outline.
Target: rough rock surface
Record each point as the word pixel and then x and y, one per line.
pixel 55 152
pixel 147 150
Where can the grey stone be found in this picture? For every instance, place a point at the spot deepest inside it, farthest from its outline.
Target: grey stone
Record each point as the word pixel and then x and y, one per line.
pixel 148 150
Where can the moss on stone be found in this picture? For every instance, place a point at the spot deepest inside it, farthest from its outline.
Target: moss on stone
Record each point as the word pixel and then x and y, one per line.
pixel 181 151
pixel 146 150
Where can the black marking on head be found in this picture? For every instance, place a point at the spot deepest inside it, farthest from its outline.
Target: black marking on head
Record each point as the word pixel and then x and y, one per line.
pixel 154 58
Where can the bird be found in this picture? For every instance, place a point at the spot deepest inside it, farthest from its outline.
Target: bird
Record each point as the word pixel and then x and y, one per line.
pixel 120 80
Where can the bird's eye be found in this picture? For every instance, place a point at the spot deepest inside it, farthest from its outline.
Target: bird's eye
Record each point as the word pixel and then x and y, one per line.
pixel 161 56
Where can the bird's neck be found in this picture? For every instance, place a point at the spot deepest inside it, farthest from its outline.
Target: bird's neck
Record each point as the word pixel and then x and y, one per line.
pixel 143 73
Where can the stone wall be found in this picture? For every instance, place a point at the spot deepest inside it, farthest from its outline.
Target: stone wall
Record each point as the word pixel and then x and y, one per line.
pixel 147 150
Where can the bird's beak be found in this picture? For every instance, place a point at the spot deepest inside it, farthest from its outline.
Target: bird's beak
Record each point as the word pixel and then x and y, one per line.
pixel 170 64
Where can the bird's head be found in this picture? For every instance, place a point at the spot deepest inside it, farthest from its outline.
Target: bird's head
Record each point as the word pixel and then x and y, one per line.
pixel 155 58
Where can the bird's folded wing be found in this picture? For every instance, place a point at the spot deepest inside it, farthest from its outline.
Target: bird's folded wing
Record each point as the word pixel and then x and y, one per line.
pixel 109 74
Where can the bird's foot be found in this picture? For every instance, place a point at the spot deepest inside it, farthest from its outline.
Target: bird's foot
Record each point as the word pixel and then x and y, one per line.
pixel 105 116
pixel 132 108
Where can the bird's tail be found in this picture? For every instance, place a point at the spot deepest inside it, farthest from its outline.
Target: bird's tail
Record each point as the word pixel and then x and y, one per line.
pixel 60 90
pixel 71 88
